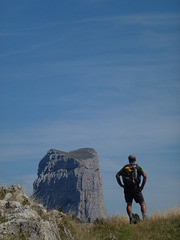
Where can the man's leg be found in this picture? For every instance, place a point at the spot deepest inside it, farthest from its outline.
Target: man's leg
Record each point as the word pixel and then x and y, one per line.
pixel 138 196
pixel 143 209
pixel 129 209
pixel 129 198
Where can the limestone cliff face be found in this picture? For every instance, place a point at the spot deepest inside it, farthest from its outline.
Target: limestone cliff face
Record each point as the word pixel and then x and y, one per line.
pixel 21 218
pixel 71 181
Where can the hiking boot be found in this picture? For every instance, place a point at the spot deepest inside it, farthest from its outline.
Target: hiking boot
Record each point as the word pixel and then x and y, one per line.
pixel 132 220
pixel 136 218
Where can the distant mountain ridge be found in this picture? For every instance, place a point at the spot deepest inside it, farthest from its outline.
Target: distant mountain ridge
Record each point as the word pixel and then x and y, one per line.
pixel 71 181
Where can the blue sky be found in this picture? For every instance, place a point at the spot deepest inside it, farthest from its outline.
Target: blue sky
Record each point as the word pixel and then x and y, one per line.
pixel 92 73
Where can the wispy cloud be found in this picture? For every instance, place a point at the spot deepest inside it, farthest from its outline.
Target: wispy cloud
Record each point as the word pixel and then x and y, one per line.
pixel 149 19
pixel 147 23
pixel 118 132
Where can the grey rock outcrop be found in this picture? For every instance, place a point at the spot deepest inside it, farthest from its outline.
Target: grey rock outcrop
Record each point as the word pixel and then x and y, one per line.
pixel 22 218
pixel 71 181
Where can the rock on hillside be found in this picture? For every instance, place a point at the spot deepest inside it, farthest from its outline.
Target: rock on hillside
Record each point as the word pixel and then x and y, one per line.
pixel 22 218
pixel 71 181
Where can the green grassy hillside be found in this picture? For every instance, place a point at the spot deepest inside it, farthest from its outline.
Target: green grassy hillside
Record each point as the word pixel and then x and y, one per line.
pixel 160 226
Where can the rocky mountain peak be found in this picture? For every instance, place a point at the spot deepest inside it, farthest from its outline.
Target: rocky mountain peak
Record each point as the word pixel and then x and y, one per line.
pixel 71 181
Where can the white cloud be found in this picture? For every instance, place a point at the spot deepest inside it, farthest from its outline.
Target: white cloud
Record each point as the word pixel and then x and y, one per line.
pixel 149 19
pixel 134 129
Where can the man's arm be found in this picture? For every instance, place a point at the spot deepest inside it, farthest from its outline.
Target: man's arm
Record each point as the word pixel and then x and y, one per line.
pixel 144 180
pixel 119 180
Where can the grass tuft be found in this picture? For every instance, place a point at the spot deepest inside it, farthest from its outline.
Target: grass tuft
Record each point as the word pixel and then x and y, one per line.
pixel 160 226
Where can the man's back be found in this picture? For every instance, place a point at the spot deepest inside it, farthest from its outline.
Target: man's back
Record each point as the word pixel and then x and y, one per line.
pixel 131 174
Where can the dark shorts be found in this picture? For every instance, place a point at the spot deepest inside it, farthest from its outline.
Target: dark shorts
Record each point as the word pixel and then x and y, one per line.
pixel 135 194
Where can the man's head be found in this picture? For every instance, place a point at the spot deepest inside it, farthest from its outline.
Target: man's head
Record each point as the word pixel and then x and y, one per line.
pixel 132 158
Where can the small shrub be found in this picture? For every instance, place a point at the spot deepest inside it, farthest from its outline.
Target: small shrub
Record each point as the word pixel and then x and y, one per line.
pixel 26 202
pixel 3 219
pixel 60 209
pixel 2 195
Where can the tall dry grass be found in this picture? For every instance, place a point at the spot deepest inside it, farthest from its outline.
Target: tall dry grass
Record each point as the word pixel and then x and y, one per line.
pixel 160 226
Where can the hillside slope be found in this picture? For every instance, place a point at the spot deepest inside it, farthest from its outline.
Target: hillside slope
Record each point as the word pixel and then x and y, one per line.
pixel 160 226
pixel 21 218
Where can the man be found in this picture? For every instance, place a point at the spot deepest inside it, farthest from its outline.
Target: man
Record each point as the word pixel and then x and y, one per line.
pixel 131 175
